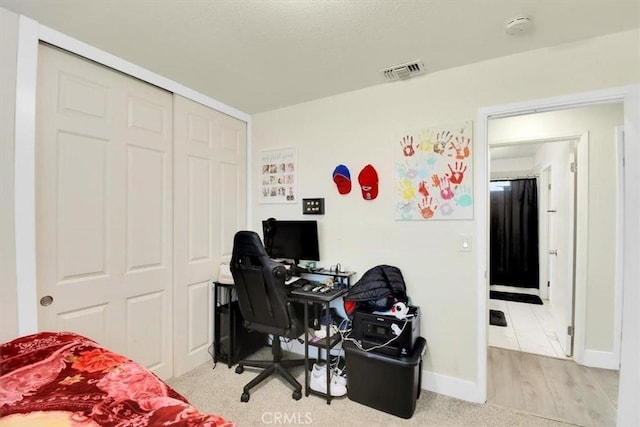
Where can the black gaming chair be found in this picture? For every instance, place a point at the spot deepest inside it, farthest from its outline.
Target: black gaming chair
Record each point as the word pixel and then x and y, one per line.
pixel 259 283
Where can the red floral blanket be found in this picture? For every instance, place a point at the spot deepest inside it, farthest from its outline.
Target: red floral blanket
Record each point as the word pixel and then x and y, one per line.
pixel 66 379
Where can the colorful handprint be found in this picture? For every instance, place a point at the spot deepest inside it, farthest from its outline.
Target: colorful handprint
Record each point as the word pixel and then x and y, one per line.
pixel 407 146
pixel 443 139
pixel 425 140
pixel 457 175
pixel 406 189
pixel 463 196
pixel 461 145
pixel 445 189
pixel 427 207
pixel 446 209
pixel 422 189
pixel 436 181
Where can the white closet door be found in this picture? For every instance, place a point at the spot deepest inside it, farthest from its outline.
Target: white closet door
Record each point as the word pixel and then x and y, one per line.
pixel 209 207
pixel 103 201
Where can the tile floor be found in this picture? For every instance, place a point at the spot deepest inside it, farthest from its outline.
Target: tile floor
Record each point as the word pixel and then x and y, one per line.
pixel 529 329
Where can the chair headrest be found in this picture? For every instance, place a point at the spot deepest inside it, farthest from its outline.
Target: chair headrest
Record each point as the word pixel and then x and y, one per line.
pixel 248 243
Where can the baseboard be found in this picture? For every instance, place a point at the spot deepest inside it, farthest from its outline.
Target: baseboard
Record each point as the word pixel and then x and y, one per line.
pixel 600 359
pixel 450 386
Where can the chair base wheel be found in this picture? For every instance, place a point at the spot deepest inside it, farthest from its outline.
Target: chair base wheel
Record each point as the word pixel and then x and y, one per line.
pixel 244 397
pixel 239 369
pixel 297 395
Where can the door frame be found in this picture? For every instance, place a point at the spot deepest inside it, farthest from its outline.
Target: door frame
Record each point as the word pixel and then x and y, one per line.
pixel 629 96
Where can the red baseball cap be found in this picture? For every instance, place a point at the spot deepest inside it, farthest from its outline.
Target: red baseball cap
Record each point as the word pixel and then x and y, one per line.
pixel 368 179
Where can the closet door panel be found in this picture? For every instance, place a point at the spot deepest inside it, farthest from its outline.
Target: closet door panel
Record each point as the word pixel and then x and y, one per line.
pixel 78 267
pixel 200 231
pixel 103 186
pixel 147 135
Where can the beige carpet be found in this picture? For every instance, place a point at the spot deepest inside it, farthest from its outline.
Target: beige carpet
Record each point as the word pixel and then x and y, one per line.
pixel 218 391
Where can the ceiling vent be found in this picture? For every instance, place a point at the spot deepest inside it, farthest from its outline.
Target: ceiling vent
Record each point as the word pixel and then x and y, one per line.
pixel 403 71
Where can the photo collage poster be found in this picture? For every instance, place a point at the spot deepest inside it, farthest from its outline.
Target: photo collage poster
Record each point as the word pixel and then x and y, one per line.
pixel 278 176
pixel 434 173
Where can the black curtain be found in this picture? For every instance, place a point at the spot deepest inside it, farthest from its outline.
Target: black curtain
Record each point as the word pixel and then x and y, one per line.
pixel 514 233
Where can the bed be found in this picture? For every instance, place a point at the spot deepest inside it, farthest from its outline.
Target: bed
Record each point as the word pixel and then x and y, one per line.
pixel 65 379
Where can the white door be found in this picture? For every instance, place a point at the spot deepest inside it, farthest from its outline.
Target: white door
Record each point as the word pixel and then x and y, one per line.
pixel 561 255
pixel 103 202
pixel 210 206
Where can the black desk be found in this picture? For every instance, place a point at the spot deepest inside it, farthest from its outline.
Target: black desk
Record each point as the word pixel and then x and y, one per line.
pixel 326 343
pixel 294 295
pixel 241 342
pixel 217 320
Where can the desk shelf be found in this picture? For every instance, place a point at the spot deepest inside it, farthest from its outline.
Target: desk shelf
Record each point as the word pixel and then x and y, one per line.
pixel 342 277
pixel 325 344
pixel 322 343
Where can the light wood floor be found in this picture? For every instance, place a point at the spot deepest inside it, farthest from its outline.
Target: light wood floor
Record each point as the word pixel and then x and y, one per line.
pixel 552 388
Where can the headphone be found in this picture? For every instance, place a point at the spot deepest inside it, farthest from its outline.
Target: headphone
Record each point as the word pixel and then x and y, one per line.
pixel 269 230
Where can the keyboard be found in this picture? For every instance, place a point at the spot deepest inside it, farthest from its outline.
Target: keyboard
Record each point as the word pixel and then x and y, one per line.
pixel 297 283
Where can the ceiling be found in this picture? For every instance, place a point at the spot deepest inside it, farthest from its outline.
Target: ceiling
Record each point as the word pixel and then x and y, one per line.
pixel 262 55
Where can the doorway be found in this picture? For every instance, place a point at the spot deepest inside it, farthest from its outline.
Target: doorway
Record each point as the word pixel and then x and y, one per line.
pixel 532 250
pixel 599 146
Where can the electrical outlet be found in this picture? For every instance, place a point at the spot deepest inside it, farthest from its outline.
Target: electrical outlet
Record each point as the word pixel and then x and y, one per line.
pixel 313 206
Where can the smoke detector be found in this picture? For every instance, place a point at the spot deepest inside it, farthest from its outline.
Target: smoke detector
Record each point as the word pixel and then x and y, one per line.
pixel 518 25
pixel 403 71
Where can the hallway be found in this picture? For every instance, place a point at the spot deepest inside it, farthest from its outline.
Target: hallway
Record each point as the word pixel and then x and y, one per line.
pixel 529 329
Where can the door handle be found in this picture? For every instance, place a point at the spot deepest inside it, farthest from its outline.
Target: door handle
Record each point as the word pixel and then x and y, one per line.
pixel 553 252
pixel 46 300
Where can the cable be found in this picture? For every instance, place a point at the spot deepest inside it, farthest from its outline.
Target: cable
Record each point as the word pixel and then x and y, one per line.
pixel 213 357
pixel 358 344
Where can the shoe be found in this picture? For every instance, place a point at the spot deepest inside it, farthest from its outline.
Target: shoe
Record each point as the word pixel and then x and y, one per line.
pixel 340 376
pixel 337 384
pixel 336 373
pixel 321 333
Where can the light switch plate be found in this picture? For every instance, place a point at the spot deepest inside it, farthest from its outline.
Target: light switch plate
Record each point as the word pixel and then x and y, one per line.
pixel 313 206
pixel 465 243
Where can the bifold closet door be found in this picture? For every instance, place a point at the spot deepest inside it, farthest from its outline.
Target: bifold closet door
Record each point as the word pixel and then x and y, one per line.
pixel 104 207
pixel 209 207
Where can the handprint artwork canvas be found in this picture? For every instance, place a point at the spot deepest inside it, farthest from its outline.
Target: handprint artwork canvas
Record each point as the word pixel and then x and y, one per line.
pixel 434 173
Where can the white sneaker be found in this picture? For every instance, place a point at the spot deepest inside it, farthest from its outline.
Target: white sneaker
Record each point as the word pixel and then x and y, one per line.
pixel 336 374
pixel 337 384
pixel 322 332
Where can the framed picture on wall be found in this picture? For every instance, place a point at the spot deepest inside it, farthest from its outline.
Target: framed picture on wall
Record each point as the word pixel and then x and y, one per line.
pixel 278 176
pixel 434 173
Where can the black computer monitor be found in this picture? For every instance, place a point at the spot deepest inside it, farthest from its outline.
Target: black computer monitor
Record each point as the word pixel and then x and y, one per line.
pixel 294 240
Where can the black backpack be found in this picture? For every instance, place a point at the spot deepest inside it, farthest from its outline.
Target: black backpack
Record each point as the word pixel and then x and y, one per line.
pixel 377 290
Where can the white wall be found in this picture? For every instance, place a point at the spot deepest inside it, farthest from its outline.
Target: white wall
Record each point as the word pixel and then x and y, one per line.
pixel 511 167
pixel 359 127
pixel 8 288
pixel 599 122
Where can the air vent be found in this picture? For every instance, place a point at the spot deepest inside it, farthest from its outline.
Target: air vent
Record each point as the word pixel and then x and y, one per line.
pixel 403 71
